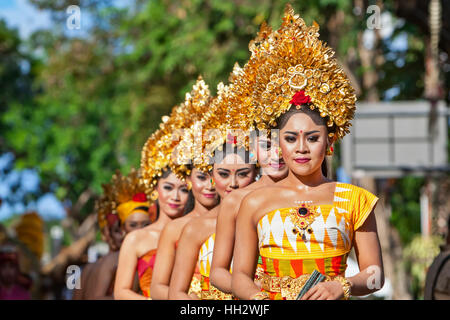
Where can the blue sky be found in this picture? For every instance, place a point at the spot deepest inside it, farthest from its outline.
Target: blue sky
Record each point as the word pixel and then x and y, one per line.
pixel 25 17
pixel 27 180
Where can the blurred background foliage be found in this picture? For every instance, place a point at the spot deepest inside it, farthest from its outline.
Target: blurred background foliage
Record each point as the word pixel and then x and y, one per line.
pixel 76 107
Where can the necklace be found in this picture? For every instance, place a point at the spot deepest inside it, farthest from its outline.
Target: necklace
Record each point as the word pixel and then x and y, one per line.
pixel 302 217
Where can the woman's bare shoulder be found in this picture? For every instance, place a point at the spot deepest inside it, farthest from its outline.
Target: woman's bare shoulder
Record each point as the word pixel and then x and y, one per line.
pixel 176 225
pixel 265 194
pixel 136 236
pixel 199 227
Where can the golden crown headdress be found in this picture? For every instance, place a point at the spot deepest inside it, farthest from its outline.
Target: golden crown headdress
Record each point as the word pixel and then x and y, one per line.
pixel 205 135
pixel 298 62
pixel 157 151
pixel 227 121
pixel 289 61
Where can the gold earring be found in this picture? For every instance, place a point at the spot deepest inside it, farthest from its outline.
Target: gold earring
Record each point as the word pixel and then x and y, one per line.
pixel 213 183
pixel 330 151
pixel 154 195
pixel 189 185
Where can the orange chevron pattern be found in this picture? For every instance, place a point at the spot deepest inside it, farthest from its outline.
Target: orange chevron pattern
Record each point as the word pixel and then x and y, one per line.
pixel 333 230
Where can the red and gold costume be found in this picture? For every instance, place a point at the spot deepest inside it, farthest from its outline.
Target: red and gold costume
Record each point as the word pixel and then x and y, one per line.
pixel 145 266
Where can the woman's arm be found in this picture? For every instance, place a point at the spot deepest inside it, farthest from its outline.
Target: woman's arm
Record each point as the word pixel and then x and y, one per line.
pixel 220 275
pixel 126 269
pixel 245 251
pixel 371 276
pixel 105 275
pixel 80 294
pixel 368 253
pixel 185 261
pixel 165 259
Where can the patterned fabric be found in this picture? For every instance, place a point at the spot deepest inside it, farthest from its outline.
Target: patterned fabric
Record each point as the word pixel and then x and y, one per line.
pixel 326 248
pixel 209 292
pixel 205 255
pixel 294 268
pixel 145 271
pixel 195 286
pixel 333 229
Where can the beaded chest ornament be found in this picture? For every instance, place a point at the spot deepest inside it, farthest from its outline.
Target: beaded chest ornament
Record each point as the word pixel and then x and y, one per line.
pixel 302 217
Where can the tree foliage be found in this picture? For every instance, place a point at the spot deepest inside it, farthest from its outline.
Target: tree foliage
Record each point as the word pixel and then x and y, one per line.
pixel 94 98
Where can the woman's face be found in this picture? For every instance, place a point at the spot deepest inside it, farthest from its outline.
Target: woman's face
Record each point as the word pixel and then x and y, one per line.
pixel 202 188
pixel 268 158
pixel 116 234
pixel 303 144
pixel 172 195
pixel 232 173
pixel 136 221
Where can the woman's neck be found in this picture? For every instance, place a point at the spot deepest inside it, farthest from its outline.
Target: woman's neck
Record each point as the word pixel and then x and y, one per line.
pixel 162 220
pixel 306 182
pixel 267 179
pixel 200 210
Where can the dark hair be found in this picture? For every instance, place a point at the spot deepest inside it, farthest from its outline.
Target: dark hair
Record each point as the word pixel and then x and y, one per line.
pixel 316 118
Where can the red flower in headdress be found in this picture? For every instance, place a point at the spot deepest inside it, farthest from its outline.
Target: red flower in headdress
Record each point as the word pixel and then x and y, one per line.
pixel 140 197
pixel 300 98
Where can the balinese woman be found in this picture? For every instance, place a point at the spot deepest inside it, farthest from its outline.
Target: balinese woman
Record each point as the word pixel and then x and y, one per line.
pixel 132 213
pixel 206 198
pixel 229 174
pixel 306 222
pixel 139 247
pixel 170 193
pixel 264 151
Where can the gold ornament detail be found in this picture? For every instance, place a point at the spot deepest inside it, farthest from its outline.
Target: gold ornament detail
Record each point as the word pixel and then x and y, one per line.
pixel 283 62
pixel 154 195
pixel 160 151
pixel 302 217
pixel 346 286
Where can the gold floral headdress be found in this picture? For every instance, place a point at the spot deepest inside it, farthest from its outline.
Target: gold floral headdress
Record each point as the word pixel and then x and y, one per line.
pixel 157 151
pixel 289 66
pixel 227 120
pixel 205 135
pixel 300 65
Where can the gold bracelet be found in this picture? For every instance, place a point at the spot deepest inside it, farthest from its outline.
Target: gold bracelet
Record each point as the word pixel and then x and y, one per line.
pixel 346 286
pixel 260 296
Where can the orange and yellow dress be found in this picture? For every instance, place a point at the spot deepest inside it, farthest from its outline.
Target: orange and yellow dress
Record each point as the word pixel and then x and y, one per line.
pixel 209 292
pixel 286 255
